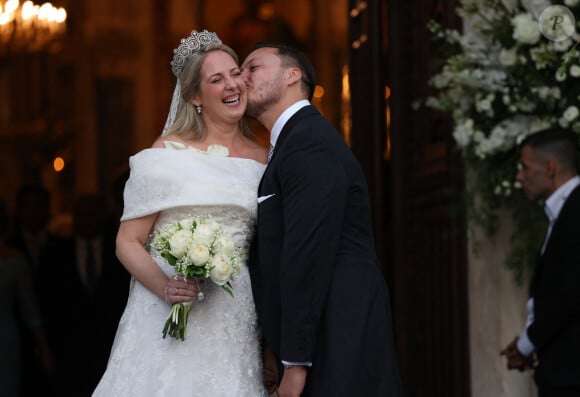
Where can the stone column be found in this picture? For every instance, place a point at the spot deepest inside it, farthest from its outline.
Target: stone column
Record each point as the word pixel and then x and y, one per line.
pixel 497 313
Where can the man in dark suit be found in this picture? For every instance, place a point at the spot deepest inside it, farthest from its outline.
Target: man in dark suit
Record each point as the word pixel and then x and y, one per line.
pixel 321 298
pixel 33 237
pixel 80 306
pixel 96 290
pixel 548 171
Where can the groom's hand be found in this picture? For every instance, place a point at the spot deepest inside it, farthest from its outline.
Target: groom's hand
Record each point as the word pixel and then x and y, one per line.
pixel 293 381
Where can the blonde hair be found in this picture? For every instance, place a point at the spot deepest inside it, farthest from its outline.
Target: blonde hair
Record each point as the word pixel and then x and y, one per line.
pixel 188 124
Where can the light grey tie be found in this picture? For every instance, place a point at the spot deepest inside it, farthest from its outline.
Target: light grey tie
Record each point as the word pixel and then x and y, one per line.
pixel 270 152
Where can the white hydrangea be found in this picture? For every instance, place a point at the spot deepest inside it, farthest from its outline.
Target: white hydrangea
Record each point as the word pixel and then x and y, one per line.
pixel 571 113
pixel 508 57
pixel 485 104
pixel 463 133
pixel 526 29
pixel 560 75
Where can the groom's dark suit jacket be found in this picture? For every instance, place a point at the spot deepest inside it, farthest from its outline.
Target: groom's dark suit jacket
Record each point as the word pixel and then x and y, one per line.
pixel 555 288
pixel 320 294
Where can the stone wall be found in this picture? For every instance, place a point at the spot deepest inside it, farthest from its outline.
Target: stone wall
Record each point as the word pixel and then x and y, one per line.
pixel 497 314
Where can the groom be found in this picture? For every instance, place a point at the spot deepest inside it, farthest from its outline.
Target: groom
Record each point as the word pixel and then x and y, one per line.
pixel 321 298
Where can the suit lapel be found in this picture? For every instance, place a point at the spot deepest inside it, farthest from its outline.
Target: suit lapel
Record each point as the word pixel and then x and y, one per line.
pixel 286 130
pixel 292 122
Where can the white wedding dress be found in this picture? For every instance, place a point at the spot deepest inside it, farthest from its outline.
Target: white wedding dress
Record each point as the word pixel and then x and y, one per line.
pixel 220 355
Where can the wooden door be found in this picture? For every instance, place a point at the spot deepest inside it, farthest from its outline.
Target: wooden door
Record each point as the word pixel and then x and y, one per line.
pixel 415 179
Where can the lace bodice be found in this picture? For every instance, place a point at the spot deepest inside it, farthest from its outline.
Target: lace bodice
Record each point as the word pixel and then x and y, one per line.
pixel 237 222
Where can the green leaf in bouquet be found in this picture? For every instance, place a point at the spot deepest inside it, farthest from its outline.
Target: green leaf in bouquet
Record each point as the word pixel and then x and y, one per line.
pixel 172 260
pixel 228 288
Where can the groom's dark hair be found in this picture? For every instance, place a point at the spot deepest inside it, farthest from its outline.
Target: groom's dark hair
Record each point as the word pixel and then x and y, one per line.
pixel 292 57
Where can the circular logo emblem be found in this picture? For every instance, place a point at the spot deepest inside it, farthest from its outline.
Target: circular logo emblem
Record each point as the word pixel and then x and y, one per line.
pixel 557 23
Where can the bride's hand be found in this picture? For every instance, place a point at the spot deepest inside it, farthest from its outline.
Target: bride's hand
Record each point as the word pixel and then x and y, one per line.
pixel 293 381
pixel 179 289
pixel 270 369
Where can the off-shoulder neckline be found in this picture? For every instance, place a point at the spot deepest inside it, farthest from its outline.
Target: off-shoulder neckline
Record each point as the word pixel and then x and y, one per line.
pixel 212 150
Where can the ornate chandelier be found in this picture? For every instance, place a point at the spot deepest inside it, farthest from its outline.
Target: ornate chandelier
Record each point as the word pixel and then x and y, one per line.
pixel 29 27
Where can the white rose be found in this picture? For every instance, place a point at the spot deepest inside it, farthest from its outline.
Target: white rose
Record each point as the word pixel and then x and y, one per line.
pixel 526 30
pixel 222 269
pixel 571 3
pixel 199 254
pixel 508 57
pixel 571 113
pixel 203 234
pixel 575 71
pixel 179 242
pixel 225 245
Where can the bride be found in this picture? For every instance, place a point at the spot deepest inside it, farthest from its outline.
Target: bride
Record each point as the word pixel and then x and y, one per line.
pixel 204 164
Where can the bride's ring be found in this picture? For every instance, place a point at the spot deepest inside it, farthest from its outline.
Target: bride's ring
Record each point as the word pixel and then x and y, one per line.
pixel 176 289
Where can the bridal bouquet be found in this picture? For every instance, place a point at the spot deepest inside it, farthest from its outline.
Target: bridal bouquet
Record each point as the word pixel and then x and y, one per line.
pixel 196 247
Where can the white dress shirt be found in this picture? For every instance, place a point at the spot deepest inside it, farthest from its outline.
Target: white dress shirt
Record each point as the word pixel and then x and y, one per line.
pixel 283 118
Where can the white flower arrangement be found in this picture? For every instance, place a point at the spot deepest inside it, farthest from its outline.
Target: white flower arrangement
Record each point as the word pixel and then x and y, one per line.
pixel 197 248
pixel 501 80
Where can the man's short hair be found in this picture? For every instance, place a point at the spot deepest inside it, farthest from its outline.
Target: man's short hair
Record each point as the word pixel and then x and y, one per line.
pixel 291 57
pixel 560 144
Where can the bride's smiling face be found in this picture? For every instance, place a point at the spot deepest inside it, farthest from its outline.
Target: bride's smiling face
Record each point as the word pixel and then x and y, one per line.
pixel 222 89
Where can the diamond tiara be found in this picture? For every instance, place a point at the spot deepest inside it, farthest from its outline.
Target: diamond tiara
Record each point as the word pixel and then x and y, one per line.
pixel 197 41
